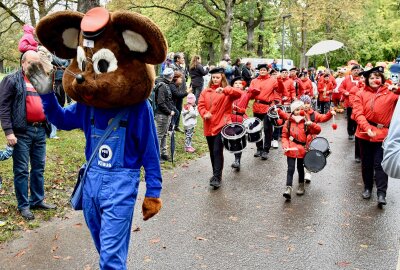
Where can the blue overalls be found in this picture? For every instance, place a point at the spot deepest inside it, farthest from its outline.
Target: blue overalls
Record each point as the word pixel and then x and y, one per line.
pixel 109 197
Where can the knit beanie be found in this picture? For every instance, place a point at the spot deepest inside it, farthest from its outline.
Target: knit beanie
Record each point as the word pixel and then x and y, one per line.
pixel 306 99
pixel 191 99
pixel 295 105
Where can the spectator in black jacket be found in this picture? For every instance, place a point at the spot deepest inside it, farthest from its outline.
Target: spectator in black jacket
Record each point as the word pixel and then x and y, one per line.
pixel 177 94
pixel 179 65
pixel 246 73
pixel 196 72
pixel 165 110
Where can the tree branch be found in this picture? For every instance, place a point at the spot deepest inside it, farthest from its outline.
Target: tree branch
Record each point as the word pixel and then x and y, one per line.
pixel 8 28
pixel 52 6
pixel 12 14
pixel 212 12
pixel 216 5
pixel 180 14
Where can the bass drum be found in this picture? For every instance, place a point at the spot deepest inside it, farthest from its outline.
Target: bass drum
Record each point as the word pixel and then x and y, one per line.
pixel 234 137
pixel 314 161
pixel 321 144
pixel 254 128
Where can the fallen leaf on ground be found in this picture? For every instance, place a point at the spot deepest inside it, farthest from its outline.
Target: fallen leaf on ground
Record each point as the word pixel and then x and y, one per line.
pixel 320 243
pixel 78 225
pixel 200 238
pixel 175 176
pixel 343 264
pixel 55 237
pixel 57 257
pixel 233 218
pixel 67 258
pixel 54 248
pixel 137 229
pixel 87 267
pixel 147 259
pixel 20 253
pixel 155 241
pixel 364 246
pixel 271 236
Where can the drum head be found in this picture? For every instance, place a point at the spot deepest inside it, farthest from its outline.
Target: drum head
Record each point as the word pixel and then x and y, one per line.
pixel 320 144
pixel 252 124
pixel 233 131
pixel 314 161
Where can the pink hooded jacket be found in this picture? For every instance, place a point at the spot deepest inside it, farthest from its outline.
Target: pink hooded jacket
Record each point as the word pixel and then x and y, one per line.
pixel 27 42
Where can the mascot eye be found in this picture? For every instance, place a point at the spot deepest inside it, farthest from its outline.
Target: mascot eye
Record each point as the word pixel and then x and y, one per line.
pixel 104 61
pixel 81 58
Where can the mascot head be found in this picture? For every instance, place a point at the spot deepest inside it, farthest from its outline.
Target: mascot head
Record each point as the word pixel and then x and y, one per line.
pixel 394 73
pixel 112 54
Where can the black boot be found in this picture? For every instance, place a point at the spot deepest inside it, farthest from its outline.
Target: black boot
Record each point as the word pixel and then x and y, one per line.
pixel 264 155
pixel 258 153
pixel 381 201
pixel 215 182
pixel 236 164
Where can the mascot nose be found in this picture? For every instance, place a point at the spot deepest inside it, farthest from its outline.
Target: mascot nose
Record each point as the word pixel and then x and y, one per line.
pixel 79 78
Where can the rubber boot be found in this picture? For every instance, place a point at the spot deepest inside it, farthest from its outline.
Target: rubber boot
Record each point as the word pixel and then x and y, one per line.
pixel 288 193
pixel 300 190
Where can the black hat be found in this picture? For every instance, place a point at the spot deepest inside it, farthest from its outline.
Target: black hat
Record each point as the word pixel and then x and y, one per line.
pixel 217 70
pixel 375 69
pixel 283 69
pixel 355 67
pixel 239 78
pixel 361 73
pixel 293 68
pixel 260 66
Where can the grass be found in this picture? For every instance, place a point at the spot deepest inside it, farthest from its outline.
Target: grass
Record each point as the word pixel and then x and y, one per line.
pixel 64 157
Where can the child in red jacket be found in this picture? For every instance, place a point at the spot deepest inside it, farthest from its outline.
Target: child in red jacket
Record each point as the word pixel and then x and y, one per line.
pixel 297 134
pixel 325 89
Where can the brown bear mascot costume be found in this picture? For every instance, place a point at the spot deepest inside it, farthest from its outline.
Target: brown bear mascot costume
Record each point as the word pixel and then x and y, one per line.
pixel 110 76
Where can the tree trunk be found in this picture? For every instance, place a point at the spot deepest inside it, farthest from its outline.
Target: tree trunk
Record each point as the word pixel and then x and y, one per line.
pixel 85 5
pixel 31 12
pixel 303 57
pixel 42 8
pixel 250 31
pixel 260 46
pixel 1 66
pixel 226 37
pixel 211 53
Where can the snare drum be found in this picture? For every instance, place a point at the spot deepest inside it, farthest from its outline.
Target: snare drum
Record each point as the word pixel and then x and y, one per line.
pixel 274 116
pixel 321 144
pixel 233 137
pixel 314 161
pixel 254 128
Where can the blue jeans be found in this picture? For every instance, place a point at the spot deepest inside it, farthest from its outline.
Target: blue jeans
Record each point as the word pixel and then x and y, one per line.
pixel 30 147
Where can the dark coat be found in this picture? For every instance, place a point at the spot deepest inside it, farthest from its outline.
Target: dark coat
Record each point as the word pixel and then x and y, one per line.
pixel 164 97
pixel 196 74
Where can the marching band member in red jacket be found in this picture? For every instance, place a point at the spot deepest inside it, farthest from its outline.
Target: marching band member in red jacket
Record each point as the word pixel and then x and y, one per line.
pixel 349 82
pixel 297 134
pixel 268 86
pixel 325 89
pixel 353 92
pixel 373 109
pixel 289 85
pixel 305 85
pixel 239 109
pixel 215 107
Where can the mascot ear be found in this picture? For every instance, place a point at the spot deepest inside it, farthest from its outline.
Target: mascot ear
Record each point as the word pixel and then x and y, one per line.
pixel 59 33
pixel 142 36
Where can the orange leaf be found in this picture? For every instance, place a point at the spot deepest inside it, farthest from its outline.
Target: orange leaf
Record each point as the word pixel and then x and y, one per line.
pixel 155 241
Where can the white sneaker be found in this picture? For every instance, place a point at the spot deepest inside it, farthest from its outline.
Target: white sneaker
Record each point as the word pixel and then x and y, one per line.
pixel 307 177
pixel 274 144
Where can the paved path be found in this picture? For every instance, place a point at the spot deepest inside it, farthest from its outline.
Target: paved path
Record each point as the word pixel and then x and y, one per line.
pixel 246 224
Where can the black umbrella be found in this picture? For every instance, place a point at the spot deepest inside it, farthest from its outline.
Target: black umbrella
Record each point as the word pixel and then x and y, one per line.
pixel 172 145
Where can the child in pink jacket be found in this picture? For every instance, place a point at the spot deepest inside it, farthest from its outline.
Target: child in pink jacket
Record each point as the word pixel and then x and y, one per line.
pixel 28 42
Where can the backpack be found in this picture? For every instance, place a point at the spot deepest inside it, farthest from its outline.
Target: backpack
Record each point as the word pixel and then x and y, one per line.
pixel 153 96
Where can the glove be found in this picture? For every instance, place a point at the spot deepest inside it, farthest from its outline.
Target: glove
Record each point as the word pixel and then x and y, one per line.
pixel 42 82
pixel 150 207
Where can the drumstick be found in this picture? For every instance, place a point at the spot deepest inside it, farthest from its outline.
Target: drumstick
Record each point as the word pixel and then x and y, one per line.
pixel 292 149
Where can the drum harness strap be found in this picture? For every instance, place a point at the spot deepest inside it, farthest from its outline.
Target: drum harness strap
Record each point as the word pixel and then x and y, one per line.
pixel 293 139
pixel 263 102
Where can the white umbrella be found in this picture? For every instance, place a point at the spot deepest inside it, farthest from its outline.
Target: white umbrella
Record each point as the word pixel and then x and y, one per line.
pixel 323 47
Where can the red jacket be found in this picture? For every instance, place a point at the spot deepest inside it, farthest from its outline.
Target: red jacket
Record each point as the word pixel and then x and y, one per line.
pixel 374 107
pixel 240 105
pixel 326 86
pixel 318 117
pixel 289 86
pixel 267 86
pixel 331 79
pixel 220 107
pixel 306 88
pixel 299 134
pixel 353 92
pixel 345 87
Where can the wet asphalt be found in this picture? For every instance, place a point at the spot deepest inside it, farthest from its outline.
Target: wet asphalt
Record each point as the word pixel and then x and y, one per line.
pixel 246 224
